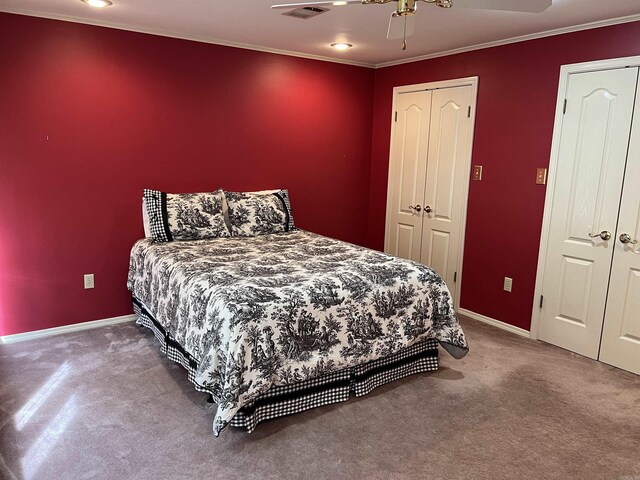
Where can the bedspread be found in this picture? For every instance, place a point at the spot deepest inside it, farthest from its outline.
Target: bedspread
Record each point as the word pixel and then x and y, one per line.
pixel 278 309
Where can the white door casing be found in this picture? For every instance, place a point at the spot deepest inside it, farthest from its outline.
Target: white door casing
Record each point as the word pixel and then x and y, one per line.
pixel 443 203
pixel 588 179
pixel 620 345
pixel 407 179
pixel 456 117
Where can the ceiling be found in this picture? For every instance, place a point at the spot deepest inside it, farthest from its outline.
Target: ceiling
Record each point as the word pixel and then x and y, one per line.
pixel 253 24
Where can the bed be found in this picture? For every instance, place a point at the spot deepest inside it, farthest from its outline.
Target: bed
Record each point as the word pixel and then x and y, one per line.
pixel 274 324
pixel 270 320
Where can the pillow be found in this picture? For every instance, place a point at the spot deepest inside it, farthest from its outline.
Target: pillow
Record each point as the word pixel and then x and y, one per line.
pixel 259 213
pixel 185 216
pixel 225 204
pixel 145 219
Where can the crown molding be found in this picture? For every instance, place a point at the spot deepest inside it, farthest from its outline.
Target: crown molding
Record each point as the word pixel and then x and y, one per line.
pixel 522 38
pixel 194 38
pixel 290 53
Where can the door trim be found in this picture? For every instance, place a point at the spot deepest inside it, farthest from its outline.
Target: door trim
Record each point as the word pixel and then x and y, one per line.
pixel 565 72
pixel 466 171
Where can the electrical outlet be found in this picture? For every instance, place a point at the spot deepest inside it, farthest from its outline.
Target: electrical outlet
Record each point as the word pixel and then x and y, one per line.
pixel 508 282
pixel 88 281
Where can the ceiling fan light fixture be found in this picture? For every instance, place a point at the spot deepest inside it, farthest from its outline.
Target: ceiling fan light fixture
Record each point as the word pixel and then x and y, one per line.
pixel 97 3
pixel 441 3
pixel 341 46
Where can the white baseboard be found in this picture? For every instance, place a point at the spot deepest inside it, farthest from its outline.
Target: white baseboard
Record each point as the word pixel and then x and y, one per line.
pixel 496 323
pixel 76 327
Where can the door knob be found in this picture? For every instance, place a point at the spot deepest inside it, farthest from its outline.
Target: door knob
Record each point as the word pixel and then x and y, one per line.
pixel 417 208
pixel 626 238
pixel 428 209
pixel 604 235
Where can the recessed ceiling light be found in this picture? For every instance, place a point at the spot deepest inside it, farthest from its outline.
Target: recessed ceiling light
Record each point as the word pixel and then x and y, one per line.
pixel 341 46
pixel 339 3
pixel 98 3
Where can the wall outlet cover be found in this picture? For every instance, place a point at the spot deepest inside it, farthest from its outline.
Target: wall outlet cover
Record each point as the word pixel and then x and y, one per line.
pixel 541 176
pixel 477 172
pixel 89 281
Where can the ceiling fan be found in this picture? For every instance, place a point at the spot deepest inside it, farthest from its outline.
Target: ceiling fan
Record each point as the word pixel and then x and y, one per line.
pixel 401 23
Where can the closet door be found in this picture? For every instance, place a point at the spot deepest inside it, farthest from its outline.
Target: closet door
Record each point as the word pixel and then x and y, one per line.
pixel 621 334
pixel 590 170
pixel 443 202
pixel 407 175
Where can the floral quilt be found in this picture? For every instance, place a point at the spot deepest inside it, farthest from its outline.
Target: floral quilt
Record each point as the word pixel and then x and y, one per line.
pixel 278 309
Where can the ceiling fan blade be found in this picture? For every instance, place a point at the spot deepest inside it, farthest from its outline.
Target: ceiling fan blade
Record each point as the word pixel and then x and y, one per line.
pixel 396 26
pixel 531 6
pixel 335 3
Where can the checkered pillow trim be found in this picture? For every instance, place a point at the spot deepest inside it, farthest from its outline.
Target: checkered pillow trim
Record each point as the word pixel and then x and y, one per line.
pixel 156 203
pixel 281 400
pixel 283 195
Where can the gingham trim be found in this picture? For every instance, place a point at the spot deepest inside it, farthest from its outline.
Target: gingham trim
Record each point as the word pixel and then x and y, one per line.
pixel 281 400
pixel 283 195
pixel 419 358
pixel 289 399
pixel 168 345
pixel 156 203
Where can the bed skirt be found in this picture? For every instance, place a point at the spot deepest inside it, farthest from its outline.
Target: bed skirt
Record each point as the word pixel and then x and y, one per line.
pixel 298 397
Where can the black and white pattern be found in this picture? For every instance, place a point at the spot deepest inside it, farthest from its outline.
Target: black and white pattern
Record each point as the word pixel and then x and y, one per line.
pixel 185 216
pixel 333 387
pixel 257 213
pixel 280 309
pixel 337 386
pixel 156 205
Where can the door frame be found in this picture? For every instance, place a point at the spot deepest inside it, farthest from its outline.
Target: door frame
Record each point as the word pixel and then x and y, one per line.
pixel 466 171
pixel 565 72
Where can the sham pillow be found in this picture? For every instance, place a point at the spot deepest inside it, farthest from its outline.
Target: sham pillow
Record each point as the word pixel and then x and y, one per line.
pixel 185 216
pixel 259 213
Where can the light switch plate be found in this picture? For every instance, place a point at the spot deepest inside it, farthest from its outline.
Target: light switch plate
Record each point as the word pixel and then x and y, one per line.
pixel 477 172
pixel 508 284
pixel 541 176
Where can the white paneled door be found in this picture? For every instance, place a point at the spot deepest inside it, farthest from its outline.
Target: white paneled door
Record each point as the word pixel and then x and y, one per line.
pixel 407 178
pixel 445 185
pixel 621 334
pixel 428 176
pixel 591 283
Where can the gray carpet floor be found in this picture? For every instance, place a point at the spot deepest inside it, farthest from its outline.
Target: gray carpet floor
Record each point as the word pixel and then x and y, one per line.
pixel 105 403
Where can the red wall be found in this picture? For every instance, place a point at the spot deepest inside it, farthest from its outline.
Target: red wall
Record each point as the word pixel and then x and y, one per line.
pixel 518 85
pixel 90 116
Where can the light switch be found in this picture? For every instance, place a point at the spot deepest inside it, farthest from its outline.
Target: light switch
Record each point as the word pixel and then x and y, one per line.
pixel 477 172
pixel 541 176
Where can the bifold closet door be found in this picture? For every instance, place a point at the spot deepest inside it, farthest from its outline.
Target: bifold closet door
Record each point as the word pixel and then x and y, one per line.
pixel 588 183
pixel 443 202
pixel 620 344
pixel 408 173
